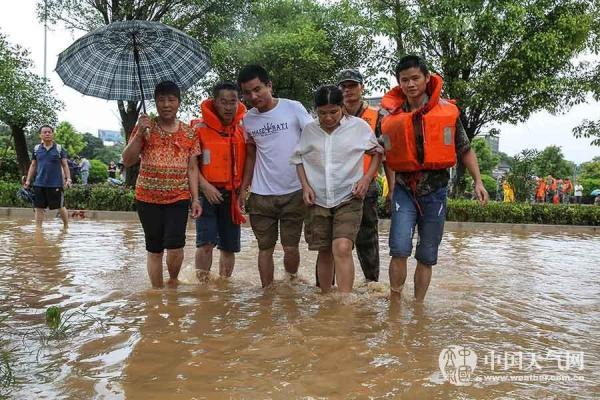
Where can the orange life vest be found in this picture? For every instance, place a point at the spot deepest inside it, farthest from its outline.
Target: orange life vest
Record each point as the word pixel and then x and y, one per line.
pixel 223 148
pixel 438 120
pixel 369 115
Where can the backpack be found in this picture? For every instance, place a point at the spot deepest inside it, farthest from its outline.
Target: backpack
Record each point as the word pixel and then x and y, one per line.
pixel 58 148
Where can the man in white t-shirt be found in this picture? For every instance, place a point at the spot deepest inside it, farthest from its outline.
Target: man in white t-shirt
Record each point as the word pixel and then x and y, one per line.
pixel 273 127
pixel 578 192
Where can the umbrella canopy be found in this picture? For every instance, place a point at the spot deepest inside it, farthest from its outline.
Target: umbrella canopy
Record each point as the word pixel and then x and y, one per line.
pixel 125 60
pixel 595 192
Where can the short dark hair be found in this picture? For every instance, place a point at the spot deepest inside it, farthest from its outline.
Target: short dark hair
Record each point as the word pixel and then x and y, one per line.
pixel 329 94
pixel 253 71
pixel 166 88
pixel 411 61
pixel 226 85
pixel 45 126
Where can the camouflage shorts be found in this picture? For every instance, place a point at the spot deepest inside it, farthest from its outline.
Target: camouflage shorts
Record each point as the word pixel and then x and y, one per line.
pixel 323 225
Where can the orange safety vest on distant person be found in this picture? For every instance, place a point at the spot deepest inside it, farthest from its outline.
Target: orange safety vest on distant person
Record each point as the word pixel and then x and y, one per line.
pixel 223 152
pixel 438 120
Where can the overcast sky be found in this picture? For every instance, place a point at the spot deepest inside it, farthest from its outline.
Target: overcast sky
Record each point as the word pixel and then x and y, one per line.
pixel 88 114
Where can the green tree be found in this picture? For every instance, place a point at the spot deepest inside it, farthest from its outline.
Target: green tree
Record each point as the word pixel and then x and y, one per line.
pixel 551 161
pixel 502 60
pixel 520 177
pixel 98 172
pixel 69 138
pixel 590 169
pixel 303 44
pixel 26 100
pixel 109 153
pixel 92 145
pixel 487 159
pixel 209 19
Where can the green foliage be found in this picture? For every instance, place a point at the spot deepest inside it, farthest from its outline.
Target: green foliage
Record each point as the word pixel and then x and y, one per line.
pixel 551 161
pixel 523 213
pixel 71 140
pixel 489 183
pixel 589 184
pixel 26 100
pixel 8 195
pixel 105 197
pixel 303 44
pixel 589 130
pixel 590 169
pixel 521 174
pixel 92 145
pixel 109 153
pixel 53 317
pixel 98 172
pixel 502 60
pixel 487 160
pixel 9 169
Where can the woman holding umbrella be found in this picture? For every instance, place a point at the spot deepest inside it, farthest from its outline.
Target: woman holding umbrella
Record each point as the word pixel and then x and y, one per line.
pixel 167 150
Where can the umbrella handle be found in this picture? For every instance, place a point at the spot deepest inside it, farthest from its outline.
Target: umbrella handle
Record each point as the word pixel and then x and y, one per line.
pixel 136 57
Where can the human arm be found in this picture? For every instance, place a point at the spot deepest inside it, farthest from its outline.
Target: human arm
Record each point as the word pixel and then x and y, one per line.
pixel 131 153
pixel 193 173
pixel 30 173
pixel 212 194
pixel 373 149
pixel 66 172
pixel 362 186
pixel 308 194
pixel 248 172
pixel 469 160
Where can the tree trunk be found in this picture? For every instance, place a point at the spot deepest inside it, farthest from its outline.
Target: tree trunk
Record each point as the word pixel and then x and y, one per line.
pixel 18 134
pixel 129 118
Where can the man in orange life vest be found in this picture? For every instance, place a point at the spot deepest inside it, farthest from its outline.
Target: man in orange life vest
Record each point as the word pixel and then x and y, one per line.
pixel 221 172
pixel 350 82
pixel 423 136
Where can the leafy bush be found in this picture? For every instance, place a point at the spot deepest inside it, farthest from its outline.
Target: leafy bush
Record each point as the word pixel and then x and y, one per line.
pixel 523 213
pixel 98 172
pixel 9 169
pixel 79 197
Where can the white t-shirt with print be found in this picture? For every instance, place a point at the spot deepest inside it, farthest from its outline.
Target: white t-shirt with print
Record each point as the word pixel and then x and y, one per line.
pixel 276 133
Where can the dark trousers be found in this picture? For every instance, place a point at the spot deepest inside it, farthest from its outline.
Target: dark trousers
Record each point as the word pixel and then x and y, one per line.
pixel 367 240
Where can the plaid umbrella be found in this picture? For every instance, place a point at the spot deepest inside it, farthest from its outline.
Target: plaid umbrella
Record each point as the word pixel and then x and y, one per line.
pixel 126 59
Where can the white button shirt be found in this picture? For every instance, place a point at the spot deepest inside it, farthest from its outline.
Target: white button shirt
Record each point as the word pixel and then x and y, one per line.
pixel 334 162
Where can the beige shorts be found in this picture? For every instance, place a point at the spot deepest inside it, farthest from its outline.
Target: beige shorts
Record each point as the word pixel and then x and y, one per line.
pixel 323 225
pixel 269 214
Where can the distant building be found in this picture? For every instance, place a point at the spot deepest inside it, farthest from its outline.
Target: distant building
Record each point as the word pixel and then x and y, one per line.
pixel 111 137
pixel 493 142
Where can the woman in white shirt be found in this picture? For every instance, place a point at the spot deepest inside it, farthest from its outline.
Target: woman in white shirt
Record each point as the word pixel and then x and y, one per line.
pixel 329 162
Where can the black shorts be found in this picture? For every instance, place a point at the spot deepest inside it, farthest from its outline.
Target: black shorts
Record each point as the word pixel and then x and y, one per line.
pixel 46 197
pixel 164 224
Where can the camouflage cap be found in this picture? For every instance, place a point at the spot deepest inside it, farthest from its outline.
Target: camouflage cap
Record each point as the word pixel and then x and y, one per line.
pixel 349 75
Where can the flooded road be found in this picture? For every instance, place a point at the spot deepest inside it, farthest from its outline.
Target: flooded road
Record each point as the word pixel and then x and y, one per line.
pixel 527 304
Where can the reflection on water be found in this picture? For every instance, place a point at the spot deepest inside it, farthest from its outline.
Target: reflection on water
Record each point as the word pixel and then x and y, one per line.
pixel 493 290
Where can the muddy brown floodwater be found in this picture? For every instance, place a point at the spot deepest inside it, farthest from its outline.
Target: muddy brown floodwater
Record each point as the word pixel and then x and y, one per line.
pixel 526 304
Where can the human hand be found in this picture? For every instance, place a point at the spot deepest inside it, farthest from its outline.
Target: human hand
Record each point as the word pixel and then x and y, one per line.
pixel 362 186
pixel 481 193
pixel 143 124
pixel 196 209
pixel 308 195
pixel 68 183
pixel 27 184
pixel 242 200
pixel 212 194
